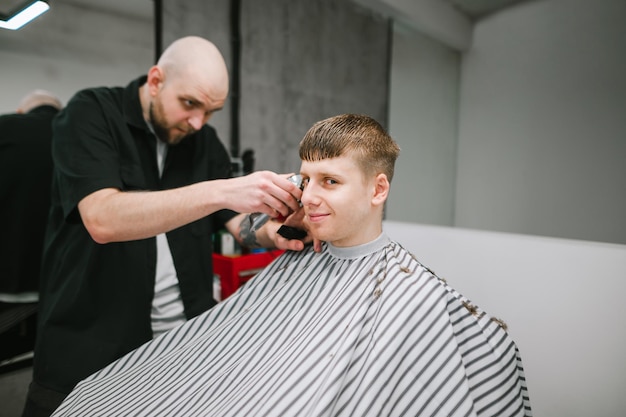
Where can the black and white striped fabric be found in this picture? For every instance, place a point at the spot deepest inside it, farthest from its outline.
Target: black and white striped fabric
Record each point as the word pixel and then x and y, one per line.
pixel 361 331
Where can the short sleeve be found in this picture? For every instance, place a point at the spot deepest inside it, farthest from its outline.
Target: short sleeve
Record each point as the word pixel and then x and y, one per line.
pixel 84 149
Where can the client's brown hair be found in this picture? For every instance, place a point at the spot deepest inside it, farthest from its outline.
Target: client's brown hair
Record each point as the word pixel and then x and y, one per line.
pixel 374 150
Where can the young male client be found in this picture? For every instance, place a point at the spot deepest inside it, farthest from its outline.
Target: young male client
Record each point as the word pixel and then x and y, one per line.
pixel 358 329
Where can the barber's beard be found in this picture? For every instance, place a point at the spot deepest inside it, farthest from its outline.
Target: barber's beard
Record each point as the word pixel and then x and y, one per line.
pixel 159 126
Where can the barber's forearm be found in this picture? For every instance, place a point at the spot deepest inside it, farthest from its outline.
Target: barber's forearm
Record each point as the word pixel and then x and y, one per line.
pixel 111 215
pixel 267 236
pixel 239 227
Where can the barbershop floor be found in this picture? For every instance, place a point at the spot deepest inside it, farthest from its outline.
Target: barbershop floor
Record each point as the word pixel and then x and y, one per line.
pixel 17 339
pixel 13 389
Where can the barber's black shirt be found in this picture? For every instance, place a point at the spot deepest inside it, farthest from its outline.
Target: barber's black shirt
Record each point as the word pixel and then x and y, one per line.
pixel 96 299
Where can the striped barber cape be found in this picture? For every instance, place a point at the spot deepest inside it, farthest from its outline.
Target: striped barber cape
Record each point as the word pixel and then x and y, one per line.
pixel 360 331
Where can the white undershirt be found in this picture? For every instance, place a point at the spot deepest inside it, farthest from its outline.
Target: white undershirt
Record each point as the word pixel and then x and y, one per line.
pixel 167 306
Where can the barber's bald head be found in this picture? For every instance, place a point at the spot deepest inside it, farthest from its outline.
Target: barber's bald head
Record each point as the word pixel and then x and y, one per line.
pixel 196 58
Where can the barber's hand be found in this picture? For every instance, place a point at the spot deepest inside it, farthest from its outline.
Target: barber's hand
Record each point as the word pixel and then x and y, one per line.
pixel 264 192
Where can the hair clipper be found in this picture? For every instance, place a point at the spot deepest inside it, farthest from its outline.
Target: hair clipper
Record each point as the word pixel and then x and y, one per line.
pixel 257 220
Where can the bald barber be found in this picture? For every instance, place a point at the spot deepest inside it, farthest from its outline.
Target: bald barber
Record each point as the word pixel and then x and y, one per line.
pixel 141 182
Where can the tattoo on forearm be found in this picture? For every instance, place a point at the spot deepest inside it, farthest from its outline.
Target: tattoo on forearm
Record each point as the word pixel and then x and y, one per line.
pixel 247 236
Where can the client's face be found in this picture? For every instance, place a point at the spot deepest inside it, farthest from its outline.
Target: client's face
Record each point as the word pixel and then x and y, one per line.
pixel 337 202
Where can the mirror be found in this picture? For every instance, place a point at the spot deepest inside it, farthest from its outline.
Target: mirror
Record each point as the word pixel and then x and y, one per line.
pixel 73 46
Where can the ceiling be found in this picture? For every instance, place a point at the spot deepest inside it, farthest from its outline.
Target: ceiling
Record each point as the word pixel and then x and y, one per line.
pixel 478 9
pixel 474 10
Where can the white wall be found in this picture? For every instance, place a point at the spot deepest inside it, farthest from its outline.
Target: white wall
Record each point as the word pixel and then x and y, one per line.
pixel 542 130
pixel 70 48
pixel 562 300
pixel 423 114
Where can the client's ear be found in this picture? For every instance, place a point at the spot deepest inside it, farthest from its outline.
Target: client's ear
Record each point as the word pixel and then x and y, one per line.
pixel 381 189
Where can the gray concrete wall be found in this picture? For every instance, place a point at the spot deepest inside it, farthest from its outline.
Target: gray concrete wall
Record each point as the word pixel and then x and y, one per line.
pixel 209 19
pixel 301 61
